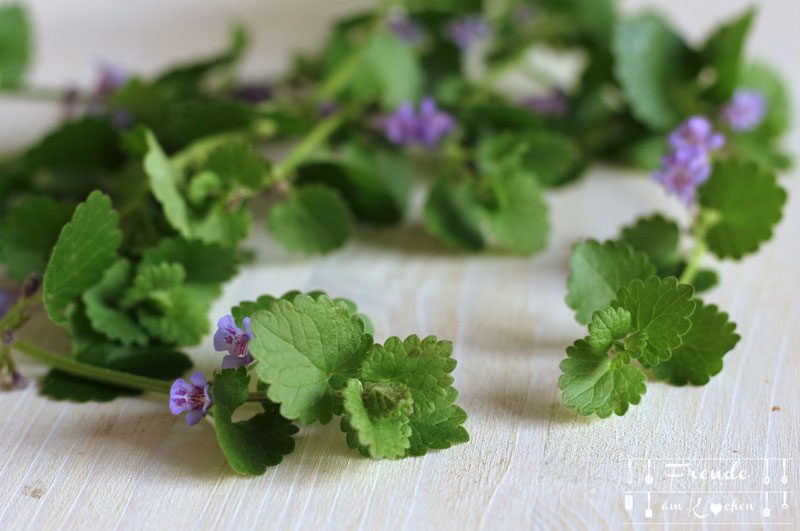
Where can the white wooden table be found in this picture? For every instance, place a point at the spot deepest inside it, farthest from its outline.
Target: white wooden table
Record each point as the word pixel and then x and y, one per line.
pixel 531 463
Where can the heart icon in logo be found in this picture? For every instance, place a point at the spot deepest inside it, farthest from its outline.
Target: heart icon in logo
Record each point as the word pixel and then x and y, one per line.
pixel 716 508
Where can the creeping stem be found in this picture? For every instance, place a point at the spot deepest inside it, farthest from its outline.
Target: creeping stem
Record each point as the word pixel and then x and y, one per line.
pixel 103 375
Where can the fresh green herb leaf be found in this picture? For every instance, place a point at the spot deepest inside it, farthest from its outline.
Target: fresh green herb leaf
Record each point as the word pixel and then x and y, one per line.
pixel 597 271
pixel 315 219
pixel 195 257
pixel 745 202
pixel 592 384
pixel 661 310
pixel 254 444
pixel 306 349
pixel 518 214
pixel 652 65
pixel 762 77
pixel 102 306
pixel 389 72
pixel 165 180
pixel 453 214
pixel 28 232
pixel 86 247
pixel 657 237
pixel 237 162
pixel 723 51
pixel 606 326
pixel 383 436
pixel 700 355
pixel 15 45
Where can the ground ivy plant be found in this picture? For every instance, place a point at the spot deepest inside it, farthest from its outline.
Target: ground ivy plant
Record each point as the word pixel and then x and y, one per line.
pixel 125 220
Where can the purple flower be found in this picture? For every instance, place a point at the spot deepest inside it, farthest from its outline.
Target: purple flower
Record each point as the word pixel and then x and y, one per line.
pixel 406 28
pixel 327 108
pixel 234 340
pixel 746 110
pixel 194 397
pixel 110 78
pixel 696 131
pixel 18 381
pixel 253 92
pixel 7 300
pixel 466 31
pixel 400 127
pixel 432 124
pixel 553 103
pixel 427 127
pixel 683 170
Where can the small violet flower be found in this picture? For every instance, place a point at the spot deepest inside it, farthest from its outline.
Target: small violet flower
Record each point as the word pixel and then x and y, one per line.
pixel 427 127
pixel 406 28
pixel 467 31
pixel 745 111
pixel 194 397
pixel 696 131
pixel 7 300
pixel 253 92
pixel 432 123
pixel 18 381
pixel 683 171
pixel 234 340
pixel 110 78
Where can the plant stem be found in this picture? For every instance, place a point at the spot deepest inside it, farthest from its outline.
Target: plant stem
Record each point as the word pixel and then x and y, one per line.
pixel 318 135
pixel 50 95
pixel 696 256
pixel 106 376
pixel 92 372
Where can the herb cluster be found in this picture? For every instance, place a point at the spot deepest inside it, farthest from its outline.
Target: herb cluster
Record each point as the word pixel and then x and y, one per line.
pixel 132 212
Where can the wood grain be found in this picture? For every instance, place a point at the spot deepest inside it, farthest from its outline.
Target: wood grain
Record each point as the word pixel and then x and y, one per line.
pixel 531 463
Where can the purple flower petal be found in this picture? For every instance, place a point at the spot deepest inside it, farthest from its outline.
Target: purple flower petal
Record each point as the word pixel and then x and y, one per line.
pixel 198 379
pixel 683 171
pixel 194 416
pixel 696 131
pixel 467 31
pixel 746 110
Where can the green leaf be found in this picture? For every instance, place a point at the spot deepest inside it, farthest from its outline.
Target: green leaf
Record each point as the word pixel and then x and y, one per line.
pixel 102 308
pixel 28 232
pixel 453 214
pixel 550 156
pixel 745 202
pixel 165 180
pixel 375 182
pixel 237 162
pixel 166 307
pixel 597 271
pixel 203 262
pixel 652 65
pixel 383 436
pixel 592 384
pixel 86 247
pixel 303 347
pixel 704 280
pixel 15 45
pixel 658 238
pixel 423 367
pixel 606 326
pixel 438 430
pixel 264 302
pixel 254 444
pixel 661 310
pixel 700 355
pixel 389 72
pixel 222 225
pixel 154 362
pixel 518 214
pixel 762 77
pixel 192 120
pixel 314 219
pixel 83 145
pixel 723 51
